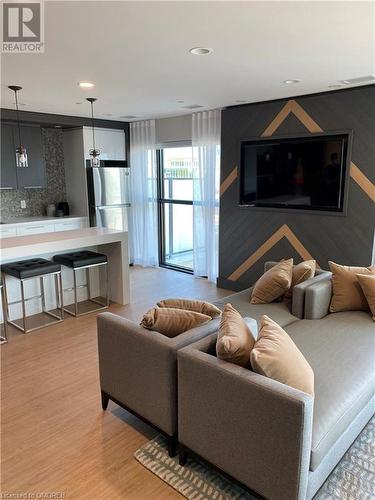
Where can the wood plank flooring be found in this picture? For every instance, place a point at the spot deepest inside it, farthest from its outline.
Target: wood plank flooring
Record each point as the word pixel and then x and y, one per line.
pixel 55 437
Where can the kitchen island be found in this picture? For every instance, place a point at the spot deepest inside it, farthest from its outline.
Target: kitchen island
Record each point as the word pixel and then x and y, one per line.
pixel 107 241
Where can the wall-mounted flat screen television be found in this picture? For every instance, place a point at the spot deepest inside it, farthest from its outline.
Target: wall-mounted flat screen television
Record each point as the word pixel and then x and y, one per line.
pixel 305 173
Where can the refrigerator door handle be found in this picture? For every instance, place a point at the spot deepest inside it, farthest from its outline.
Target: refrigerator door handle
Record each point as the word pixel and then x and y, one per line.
pixel 118 205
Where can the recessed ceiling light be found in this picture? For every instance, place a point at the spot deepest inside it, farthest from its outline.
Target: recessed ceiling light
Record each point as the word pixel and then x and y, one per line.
pixel 192 106
pixel 86 85
pixel 107 114
pixel 241 101
pixel 20 104
pixel 180 102
pixel 335 86
pixel 78 103
pixel 128 117
pixel 360 79
pixel 201 51
pixel 289 82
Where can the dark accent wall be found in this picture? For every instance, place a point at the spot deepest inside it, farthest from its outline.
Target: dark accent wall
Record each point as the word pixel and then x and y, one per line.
pixel 345 239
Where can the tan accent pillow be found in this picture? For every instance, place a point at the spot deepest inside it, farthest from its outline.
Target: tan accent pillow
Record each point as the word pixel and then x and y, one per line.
pixel 301 272
pixel 171 322
pixel 347 294
pixel 367 283
pixel 192 305
pixel 234 339
pixel 273 284
pixel 276 356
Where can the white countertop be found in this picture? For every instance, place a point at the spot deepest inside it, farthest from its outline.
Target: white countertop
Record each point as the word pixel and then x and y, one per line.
pixel 36 245
pixel 14 221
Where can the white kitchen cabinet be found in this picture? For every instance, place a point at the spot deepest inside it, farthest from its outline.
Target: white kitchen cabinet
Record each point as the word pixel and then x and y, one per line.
pixel 69 225
pixel 7 232
pixel 34 229
pixel 110 142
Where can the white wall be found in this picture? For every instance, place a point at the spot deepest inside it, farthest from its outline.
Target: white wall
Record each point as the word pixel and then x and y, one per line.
pixel 173 129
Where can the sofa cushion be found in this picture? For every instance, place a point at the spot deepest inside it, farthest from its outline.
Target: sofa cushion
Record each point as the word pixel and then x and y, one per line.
pixel 347 294
pixel 367 283
pixel 276 356
pixel 171 322
pixel 278 311
pixel 273 283
pixel 301 272
pixel 340 350
pixel 234 338
pixel 191 305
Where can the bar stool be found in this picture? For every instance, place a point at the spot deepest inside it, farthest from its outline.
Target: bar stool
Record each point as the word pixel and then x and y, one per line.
pixel 26 270
pixel 3 332
pixel 84 260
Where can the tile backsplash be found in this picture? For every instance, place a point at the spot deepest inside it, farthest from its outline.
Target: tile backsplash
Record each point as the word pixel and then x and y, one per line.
pixel 38 199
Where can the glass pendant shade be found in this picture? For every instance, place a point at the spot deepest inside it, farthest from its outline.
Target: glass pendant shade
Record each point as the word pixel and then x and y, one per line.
pixel 94 156
pixel 94 153
pixel 21 157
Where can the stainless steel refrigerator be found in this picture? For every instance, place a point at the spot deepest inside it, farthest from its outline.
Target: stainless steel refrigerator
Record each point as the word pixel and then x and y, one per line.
pixel 109 195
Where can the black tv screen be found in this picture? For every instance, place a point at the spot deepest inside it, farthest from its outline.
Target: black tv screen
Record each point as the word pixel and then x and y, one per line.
pixel 302 173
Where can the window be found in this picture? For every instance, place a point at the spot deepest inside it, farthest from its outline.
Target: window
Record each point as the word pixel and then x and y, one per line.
pixel 175 196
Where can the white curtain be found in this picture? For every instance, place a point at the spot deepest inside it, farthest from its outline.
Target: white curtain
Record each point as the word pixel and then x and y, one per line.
pixel 143 217
pixel 206 161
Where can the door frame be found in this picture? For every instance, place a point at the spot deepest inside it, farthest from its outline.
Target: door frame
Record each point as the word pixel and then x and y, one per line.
pixel 161 208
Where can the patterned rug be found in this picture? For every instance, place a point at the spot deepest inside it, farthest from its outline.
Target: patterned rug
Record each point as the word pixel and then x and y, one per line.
pixel 352 479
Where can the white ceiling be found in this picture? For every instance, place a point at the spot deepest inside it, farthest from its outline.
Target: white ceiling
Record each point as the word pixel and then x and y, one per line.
pixel 137 54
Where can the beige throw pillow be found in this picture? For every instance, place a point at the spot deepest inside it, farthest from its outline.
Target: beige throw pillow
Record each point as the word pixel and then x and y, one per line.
pixel 192 305
pixel 273 284
pixel 347 294
pixel 234 339
pixel 300 273
pixel 171 322
pixel 276 356
pixel 367 283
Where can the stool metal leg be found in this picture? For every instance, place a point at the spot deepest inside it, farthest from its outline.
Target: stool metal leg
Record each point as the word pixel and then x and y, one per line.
pixel 88 283
pixel 75 293
pixel 23 307
pixel 42 295
pixel 3 336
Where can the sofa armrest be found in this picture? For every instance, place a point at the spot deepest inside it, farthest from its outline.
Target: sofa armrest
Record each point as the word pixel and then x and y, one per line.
pixel 138 367
pixel 255 429
pixel 299 291
pixel 318 299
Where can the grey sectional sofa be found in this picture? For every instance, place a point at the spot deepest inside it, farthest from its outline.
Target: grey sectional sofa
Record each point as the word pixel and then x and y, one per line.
pixel 276 440
pixel 138 367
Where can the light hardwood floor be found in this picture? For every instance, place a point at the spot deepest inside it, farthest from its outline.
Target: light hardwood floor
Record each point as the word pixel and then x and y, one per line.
pixel 55 437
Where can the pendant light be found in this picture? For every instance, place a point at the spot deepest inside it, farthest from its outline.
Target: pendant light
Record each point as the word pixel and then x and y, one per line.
pixel 21 155
pixel 94 153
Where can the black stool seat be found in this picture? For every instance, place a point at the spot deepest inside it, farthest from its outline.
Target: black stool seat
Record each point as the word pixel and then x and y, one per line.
pixel 30 268
pixel 80 259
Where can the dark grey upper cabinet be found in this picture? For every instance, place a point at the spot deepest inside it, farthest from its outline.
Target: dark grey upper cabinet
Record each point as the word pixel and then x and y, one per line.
pixel 8 175
pixel 33 176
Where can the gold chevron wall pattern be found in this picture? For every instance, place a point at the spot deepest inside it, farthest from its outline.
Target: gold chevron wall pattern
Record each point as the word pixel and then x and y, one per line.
pixel 300 238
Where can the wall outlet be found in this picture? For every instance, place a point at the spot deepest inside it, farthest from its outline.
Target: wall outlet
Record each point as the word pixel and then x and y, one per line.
pixel 23 203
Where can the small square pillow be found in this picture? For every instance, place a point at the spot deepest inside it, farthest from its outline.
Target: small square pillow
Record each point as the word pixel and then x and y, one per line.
pixel 347 294
pixel 300 273
pixel 276 356
pixel 234 339
pixel 273 284
pixel 192 305
pixel 367 283
pixel 171 322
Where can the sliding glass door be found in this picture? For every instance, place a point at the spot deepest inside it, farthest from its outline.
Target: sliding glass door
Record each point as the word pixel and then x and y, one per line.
pixel 175 196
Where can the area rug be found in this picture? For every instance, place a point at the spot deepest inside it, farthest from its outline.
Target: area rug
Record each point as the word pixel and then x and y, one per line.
pixel 352 479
